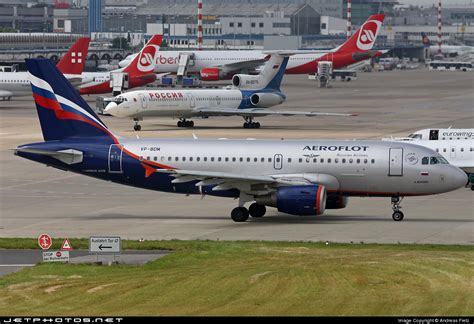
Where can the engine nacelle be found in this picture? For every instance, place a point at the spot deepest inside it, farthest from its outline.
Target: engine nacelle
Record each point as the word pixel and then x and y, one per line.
pixel 211 74
pixel 336 201
pixel 265 100
pixel 245 81
pixel 297 200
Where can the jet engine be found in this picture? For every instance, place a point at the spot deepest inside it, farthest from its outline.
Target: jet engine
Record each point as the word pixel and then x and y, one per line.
pixel 211 74
pixel 265 100
pixel 245 81
pixel 297 200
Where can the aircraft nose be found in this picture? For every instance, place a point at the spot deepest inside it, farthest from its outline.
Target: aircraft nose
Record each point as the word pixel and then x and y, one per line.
pixel 111 109
pixel 458 178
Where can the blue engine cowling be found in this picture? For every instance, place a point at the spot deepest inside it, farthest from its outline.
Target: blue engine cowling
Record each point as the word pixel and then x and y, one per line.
pixel 301 200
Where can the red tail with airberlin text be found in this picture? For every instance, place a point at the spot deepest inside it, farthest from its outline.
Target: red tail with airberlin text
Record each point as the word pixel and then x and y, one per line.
pixel 363 39
pixel 74 60
pixel 144 62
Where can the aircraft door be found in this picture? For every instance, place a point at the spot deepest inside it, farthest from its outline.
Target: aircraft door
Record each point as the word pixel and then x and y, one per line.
pixel 192 101
pixel 278 161
pixel 452 152
pixel 143 101
pixel 115 158
pixel 395 162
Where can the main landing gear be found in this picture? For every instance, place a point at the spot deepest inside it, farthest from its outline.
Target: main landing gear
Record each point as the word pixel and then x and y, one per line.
pixel 185 123
pixel 249 123
pixel 137 127
pixel 241 214
pixel 397 214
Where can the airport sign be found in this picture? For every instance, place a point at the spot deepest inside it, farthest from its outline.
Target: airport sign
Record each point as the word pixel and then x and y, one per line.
pixel 45 241
pixel 105 244
pixel 56 256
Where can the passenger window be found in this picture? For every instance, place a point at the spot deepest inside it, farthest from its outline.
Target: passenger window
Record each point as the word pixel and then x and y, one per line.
pixel 373 161
pixel 358 161
pixel 241 159
pixel 191 158
pixel 351 160
pixel 329 160
pixel 336 160
pixel 176 158
pixel 198 159
pixel 169 158
pixel 248 159
pixel 255 160
pixel 315 160
pixel 462 149
pixel 444 150
pixel 270 160
pixel 155 158
pixel 289 160
pixel 219 159
pixel 212 159
pixel 234 159
pixel 205 159
pixel 322 160
pixel 300 160
pixel 424 160
pixel 343 160
pixel 262 159
pixel 365 161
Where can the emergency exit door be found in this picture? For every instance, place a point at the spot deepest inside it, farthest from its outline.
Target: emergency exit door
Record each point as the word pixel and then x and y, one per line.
pixel 395 167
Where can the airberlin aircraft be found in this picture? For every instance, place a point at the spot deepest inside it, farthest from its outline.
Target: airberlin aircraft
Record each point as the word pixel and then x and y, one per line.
pixel 222 65
pixel 140 71
pixel 298 177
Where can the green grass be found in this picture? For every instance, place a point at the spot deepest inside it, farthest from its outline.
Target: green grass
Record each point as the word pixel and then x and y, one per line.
pixel 251 278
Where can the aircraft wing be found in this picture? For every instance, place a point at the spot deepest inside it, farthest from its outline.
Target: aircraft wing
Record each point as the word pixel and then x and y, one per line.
pixel 244 65
pixel 250 184
pixel 259 112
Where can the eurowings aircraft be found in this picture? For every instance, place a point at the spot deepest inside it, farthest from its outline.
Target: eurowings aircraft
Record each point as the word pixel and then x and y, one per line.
pixel 249 98
pixel 298 177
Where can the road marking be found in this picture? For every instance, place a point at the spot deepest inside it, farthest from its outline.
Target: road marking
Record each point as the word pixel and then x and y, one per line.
pixel 17 265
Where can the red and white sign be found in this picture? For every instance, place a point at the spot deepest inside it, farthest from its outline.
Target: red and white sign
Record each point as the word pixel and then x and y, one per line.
pixel 45 241
pixel 66 246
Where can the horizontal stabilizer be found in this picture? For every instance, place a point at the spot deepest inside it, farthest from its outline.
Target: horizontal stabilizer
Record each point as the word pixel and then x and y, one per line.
pixel 68 156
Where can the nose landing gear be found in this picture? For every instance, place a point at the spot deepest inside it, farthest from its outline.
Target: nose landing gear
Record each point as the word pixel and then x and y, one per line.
pixel 137 127
pixel 397 214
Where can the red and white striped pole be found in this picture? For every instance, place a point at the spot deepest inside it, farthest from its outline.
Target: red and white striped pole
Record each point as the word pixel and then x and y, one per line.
pixel 349 18
pixel 199 25
pixel 440 41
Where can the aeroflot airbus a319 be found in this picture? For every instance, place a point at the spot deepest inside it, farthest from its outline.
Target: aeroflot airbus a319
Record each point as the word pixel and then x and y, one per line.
pixel 298 177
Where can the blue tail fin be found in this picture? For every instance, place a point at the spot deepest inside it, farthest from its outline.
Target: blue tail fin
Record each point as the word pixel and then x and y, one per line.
pixel 276 62
pixel 61 110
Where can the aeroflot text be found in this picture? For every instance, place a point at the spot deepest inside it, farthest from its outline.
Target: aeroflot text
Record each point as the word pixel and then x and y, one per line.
pixel 336 148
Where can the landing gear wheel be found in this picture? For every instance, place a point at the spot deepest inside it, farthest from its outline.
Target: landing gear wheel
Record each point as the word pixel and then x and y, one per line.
pixel 256 210
pixel 246 125
pixel 137 127
pixel 189 123
pixel 472 187
pixel 179 124
pixel 257 125
pixel 239 214
pixel 397 216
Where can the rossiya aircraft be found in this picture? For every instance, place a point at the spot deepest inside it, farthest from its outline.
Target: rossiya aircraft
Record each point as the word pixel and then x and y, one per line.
pixel 222 65
pixel 298 177
pixel 140 71
pixel 13 84
pixel 249 97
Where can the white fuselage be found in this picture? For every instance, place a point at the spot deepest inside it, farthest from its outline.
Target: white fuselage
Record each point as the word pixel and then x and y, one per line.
pixel 171 103
pixel 350 167
pixel 443 134
pixel 14 84
pixel 168 61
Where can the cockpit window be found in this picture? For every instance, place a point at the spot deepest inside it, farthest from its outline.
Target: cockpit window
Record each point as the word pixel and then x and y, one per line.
pixel 415 136
pixel 119 99
pixel 433 160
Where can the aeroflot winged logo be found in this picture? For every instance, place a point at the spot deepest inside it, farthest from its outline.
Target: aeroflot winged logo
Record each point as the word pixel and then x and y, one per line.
pixel 367 34
pixel 146 61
